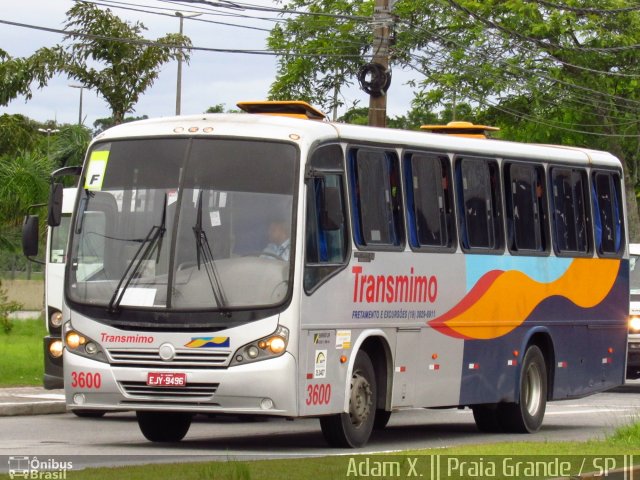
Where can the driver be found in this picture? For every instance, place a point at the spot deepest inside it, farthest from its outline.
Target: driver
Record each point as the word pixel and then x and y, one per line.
pixel 279 243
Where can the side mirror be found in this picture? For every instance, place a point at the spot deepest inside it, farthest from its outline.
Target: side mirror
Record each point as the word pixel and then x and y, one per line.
pixel 30 235
pixel 331 217
pixel 54 214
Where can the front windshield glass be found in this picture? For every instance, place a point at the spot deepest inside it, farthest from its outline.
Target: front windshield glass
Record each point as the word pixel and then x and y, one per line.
pixel 179 224
pixel 59 235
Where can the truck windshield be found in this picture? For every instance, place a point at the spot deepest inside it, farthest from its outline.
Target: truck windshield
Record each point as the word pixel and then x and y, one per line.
pixel 184 224
pixel 634 274
pixel 59 235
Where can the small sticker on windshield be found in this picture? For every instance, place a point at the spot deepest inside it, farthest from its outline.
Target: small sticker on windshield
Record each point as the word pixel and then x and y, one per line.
pixel 215 218
pixel 95 170
pixel 172 197
pixel 223 200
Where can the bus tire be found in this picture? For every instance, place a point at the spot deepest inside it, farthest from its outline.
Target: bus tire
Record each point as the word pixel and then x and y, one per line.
pixel 381 420
pixel 164 426
pixel 89 413
pixel 352 430
pixel 486 417
pixel 527 414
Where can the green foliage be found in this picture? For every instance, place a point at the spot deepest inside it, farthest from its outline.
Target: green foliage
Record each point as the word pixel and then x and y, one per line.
pixel 218 108
pixel 320 55
pixel 17 132
pixel 540 72
pixel 6 307
pixel 119 70
pixel 102 124
pixel 69 145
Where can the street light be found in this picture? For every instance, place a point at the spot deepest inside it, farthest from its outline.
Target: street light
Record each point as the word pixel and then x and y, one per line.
pixel 48 131
pixel 81 87
pixel 182 16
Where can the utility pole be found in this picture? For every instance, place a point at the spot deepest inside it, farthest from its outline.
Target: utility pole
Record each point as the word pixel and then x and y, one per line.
pixel 181 16
pixel 81 87
pixel 381 34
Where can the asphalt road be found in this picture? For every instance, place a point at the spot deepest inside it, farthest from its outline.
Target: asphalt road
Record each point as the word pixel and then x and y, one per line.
pixel 116 439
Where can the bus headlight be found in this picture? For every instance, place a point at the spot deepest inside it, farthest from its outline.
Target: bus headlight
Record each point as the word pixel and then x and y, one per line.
pixel 80 344
pixel 55 349
pixel 74 340
pixel 269 347
pixel 634 324
pixel 55 320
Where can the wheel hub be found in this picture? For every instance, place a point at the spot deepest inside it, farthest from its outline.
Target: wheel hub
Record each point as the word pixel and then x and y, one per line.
pixel 361 401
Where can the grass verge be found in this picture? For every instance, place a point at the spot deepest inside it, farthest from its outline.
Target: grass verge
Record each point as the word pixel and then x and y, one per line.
pixel 21 355
pixel 625 441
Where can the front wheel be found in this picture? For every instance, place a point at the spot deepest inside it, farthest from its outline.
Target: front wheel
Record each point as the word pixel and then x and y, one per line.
pixel 353 429
pixel 164 426
pixel 526 415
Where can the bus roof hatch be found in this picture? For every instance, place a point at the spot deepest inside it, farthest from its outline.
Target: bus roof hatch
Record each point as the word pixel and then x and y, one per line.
pixel 461 129
pixel 284 108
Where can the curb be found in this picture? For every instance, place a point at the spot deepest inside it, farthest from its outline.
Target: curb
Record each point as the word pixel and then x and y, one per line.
pixel 31 401
pixel 32 408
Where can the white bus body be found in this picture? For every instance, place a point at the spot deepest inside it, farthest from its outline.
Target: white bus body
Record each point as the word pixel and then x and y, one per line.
pixel 416 275
pixel 55 259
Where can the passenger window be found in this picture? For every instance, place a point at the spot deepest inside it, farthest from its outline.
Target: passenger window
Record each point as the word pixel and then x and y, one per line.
pixel 326 238
pixel 429 201
pixel 526 207
pixel 375 181
pixel 480 204
pixel 607 215
pixel 570 215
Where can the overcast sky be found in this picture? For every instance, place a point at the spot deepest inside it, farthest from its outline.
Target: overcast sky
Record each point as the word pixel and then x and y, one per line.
pixel 209 79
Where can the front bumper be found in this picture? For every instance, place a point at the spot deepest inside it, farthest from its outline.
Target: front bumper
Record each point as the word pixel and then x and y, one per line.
pixel 261 388
pixel 633 352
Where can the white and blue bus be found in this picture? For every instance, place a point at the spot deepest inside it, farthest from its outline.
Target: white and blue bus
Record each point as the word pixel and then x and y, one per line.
pixel 278 264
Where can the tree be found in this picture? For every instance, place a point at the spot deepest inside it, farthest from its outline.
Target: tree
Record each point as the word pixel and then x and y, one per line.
pixel 545 70
pixel 102 52
pixel 70 145
pixel 102 124
pixel 320 53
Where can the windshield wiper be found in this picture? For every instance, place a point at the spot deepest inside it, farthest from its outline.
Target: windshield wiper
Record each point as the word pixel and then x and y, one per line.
pixel 144 251
pixel 204 255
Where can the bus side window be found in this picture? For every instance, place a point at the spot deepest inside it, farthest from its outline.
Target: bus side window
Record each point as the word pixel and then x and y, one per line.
pixel 326 242
pixel 429 201
pixel 570 214
pixel 607 213
pixel 526 207
pixel 480 204
pixel 375 181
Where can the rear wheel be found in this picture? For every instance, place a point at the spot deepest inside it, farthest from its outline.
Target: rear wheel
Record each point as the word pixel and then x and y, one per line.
pixel 164 426
pixel 352 430
pixel 526 415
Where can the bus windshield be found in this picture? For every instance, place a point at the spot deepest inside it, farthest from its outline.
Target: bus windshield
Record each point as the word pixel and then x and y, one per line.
pixel 184 224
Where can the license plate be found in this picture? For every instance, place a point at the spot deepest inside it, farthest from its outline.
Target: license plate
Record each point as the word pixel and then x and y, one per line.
pixel 164 379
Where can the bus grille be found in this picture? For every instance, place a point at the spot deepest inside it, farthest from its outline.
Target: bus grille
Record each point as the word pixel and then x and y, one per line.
pixel 195 390
pixel 150 357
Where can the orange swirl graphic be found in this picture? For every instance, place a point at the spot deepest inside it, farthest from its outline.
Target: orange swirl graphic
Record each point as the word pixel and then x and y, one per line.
pixel 502 301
